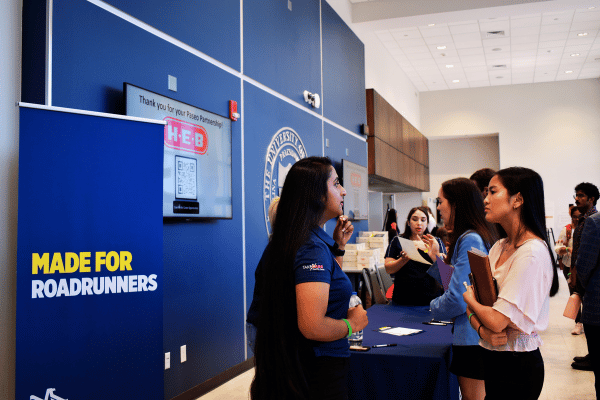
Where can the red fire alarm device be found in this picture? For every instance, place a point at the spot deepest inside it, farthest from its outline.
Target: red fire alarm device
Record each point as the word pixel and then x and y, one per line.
pixel 233 111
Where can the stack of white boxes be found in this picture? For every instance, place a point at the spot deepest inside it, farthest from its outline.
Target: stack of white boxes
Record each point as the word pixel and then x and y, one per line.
pixel 351 256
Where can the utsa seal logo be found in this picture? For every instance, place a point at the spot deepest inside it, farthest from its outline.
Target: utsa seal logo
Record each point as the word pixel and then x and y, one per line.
pixel 49 396
pixel 285 149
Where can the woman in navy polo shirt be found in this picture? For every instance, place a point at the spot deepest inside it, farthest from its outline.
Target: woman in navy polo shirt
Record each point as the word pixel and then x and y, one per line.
pixel 302 350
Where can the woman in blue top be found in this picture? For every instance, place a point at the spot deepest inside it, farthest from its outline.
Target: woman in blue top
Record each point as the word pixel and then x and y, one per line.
pixel 461 206
pixel 302 349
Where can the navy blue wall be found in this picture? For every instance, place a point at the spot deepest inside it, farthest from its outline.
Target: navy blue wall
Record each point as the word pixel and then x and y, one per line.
pixel 95 52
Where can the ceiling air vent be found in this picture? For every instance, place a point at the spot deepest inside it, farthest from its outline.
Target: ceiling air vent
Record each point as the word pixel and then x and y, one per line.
pixel 495 34
pixel 499 66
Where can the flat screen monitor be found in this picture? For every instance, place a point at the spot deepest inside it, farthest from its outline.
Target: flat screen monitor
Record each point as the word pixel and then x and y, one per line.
pixel 197 157
pixel 356 182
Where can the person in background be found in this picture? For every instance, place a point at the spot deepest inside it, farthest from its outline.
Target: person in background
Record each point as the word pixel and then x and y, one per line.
pixel 413 286
pixel 586 197
pixel 588 287
pixel 432 224
pixel 391 224
pixel 525 271
pixel 444 235
pixel 252 317
pixel 302 349
pixel 564 247
pixel 461 207
pixel 482 179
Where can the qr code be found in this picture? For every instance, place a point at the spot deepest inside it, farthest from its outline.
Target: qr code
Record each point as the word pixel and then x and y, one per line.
pixel 185 180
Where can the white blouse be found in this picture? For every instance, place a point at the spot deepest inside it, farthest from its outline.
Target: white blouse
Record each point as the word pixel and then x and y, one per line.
pixel 524 282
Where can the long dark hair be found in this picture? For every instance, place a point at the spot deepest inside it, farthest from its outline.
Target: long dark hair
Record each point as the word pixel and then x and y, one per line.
pixel 533 214
pixel 466 202
pixel 407 231
pixel 279 343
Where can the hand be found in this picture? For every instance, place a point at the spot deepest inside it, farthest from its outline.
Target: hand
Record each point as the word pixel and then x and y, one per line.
pixel 562 251
pixel 469 296
pixel 357 316
pixel 433 247
pixel 493 338
pixel 343 231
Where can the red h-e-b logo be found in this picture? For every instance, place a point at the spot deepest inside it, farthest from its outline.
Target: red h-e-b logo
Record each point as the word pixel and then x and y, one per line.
pixel 181 135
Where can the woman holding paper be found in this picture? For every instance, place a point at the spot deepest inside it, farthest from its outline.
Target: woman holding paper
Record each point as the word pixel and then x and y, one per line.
pixel 412 285
pixel 461 206
pixel 525 271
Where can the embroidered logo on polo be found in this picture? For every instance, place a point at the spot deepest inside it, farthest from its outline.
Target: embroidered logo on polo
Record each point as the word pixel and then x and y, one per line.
pixel 285 149
pixel 314 267
pixel 49 396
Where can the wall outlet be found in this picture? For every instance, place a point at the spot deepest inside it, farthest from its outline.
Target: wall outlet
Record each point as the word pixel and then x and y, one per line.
pixel 167 360
pixel 183 353
pixel 172 83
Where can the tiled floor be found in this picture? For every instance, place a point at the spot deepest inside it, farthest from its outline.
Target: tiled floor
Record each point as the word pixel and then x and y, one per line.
pixel 561 382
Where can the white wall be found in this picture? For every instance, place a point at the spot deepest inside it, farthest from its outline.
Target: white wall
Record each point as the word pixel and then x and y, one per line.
pixel 382 73
pixel 403 202
pixel 553 128
pixel 454 158
pixel 10 93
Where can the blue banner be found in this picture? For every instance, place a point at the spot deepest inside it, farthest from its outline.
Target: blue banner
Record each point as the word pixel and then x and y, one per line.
pixel 89 262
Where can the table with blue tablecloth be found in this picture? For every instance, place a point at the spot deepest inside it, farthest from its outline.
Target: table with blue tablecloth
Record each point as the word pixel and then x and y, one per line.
pixel 416 368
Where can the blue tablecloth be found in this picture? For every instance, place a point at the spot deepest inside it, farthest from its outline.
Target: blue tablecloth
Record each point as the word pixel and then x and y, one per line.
pixel 417 368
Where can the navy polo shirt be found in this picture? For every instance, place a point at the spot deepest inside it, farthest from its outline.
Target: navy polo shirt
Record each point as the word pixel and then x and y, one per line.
pixel 315 262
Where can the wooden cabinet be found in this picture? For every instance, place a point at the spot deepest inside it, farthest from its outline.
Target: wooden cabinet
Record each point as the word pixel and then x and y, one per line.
pixel 398 152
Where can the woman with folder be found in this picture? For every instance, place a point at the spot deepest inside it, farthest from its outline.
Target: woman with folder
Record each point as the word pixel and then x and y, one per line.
pixel 461 206
pixel 525 272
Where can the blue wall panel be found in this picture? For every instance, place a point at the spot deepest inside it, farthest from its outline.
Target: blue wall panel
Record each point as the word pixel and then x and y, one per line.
pixel 282 47
pixel 258 133
pixel 339 141
pixel 343 73
pixel 95 52
pixel 212 27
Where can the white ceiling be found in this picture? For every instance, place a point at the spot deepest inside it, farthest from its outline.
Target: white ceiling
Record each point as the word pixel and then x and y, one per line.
pixel 541 41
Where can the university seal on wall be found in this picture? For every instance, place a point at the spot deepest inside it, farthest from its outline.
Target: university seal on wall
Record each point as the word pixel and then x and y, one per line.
pixel 285 149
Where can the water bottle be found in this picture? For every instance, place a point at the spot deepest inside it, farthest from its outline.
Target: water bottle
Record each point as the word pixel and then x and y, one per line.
pixel 357 337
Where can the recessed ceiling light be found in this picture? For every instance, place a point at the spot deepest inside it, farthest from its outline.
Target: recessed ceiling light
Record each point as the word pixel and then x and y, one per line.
pixel 597 59
pixel 456 81
pixel 582 34
pixel 568 72
pixel 431 25
pixel 574 54
pixel 499 77
pixel 449 66
pixel 591 8
pixel 441 47
pixel 550 51
pixel 497 49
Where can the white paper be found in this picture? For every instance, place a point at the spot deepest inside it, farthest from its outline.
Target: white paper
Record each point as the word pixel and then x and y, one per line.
pixel 411 251
pixel 401 331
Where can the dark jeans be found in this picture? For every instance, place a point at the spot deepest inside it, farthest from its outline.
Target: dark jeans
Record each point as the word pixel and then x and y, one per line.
pixel 327 377
pixel 592 335
pixel 513 375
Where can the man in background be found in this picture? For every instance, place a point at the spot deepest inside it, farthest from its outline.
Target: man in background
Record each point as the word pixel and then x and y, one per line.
pixel 586 196
pixel 482 179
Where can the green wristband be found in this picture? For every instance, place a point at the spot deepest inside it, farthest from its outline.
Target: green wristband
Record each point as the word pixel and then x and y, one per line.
pixel 349 327
pixel 470 315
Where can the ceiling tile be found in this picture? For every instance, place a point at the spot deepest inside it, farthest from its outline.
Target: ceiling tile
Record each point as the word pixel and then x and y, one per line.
pixel 582 48
pixel 391 45
pixel 384 36
pixel 525 22
pixel 472 61
pixel 439 40
pixel 585 26
pixel 415 50
pixel 473 51
pixel 533 39
pixel 555 28
pixel 523 53
pixel 479 83
pixel 523 46
pixel 520 79
pixel 442 61
pixel 552 44
pixel 465 28
pixel 498 42
pixel 449 47
pixel 525 31
pixel 467 37
pixel 587 16
pixel 410 43
pixel 477 76
pixel 439 54
pixel 467 44
pixel 432 31
pixel 546 37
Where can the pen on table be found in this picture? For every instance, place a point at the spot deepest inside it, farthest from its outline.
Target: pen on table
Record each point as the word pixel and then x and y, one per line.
pixel 383 345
